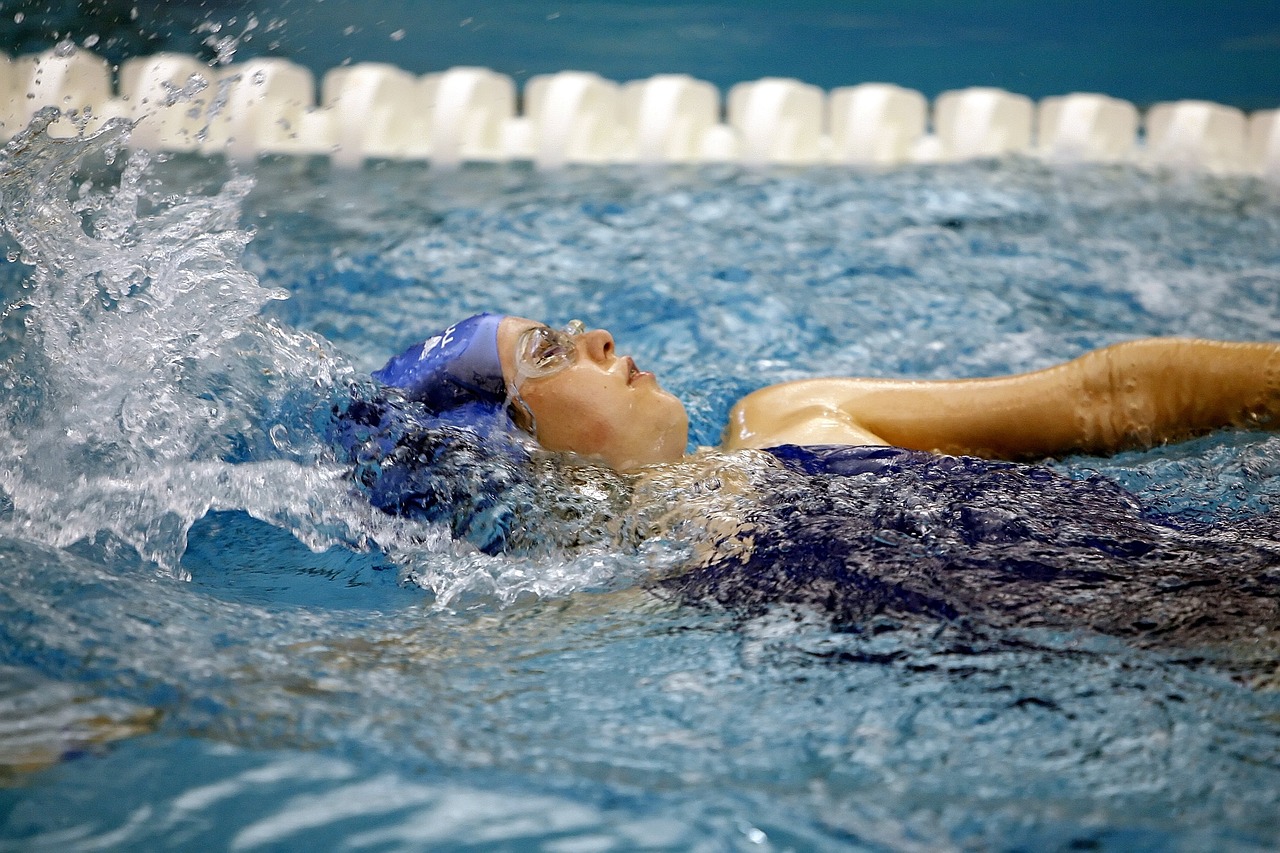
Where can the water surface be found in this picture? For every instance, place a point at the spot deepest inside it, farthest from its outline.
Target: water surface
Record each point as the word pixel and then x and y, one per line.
pixel 206 679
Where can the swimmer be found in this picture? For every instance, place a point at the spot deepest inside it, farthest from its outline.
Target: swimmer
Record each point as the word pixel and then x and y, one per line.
pixel 860 499
pixel 574 392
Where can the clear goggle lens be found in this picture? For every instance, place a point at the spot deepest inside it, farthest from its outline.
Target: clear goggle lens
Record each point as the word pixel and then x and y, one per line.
pixel 543 351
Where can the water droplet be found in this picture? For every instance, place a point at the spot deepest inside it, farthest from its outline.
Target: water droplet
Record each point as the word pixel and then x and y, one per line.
pixel 91 40
pixel 397 35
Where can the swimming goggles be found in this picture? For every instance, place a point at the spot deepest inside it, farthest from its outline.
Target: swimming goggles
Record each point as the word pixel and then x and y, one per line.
pixel 542 351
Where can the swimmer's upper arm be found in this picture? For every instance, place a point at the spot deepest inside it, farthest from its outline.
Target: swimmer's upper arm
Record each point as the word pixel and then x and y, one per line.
pixel 1010 417
pixel 988 417
pixel 1133 394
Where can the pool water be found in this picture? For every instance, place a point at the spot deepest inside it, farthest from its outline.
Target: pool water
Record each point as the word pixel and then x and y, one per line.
pixel 209 641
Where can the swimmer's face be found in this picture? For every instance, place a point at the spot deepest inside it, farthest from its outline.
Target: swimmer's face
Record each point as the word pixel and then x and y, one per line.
pixel 590 400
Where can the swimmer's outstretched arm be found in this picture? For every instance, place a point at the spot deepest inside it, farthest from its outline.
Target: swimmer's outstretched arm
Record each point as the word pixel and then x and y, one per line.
pixel 1135 394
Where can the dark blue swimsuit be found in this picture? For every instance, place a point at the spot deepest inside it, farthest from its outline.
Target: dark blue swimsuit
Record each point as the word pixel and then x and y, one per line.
pixel 868 532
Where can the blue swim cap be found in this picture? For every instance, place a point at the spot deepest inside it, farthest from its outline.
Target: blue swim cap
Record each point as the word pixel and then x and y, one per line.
pixel 453 368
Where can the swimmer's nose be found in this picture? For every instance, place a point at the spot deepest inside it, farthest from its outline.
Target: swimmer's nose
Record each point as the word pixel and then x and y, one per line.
pixel 597 344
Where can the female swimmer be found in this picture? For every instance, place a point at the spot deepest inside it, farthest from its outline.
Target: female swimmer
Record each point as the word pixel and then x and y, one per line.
pixel 830 517
pixel 574 392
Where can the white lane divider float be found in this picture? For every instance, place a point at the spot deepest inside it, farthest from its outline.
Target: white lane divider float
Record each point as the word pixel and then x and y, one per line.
pixel 371 110
pixel 1084 127
pixel 778 121
pixel 1263 157
pixel 259 107
pixel 74 81
pixel 875 124
pixel 167 94
pixel 1196 135
pixel 981 122
pixel 467 112
pixel 574 117
pixel 377 111
pixel 668 117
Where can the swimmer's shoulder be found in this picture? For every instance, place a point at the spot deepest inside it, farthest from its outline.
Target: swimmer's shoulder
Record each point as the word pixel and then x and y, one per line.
pixel 805 412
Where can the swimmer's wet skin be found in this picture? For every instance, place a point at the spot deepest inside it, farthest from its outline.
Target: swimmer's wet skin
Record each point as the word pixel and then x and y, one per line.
pixel 573 392
pixel 1135 394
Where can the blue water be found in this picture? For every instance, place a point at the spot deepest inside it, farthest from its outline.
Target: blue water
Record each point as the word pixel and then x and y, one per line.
pixel 392 690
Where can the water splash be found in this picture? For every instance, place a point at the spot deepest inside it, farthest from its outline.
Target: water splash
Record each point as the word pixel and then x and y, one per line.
pixel 145 389
pixel 142 387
